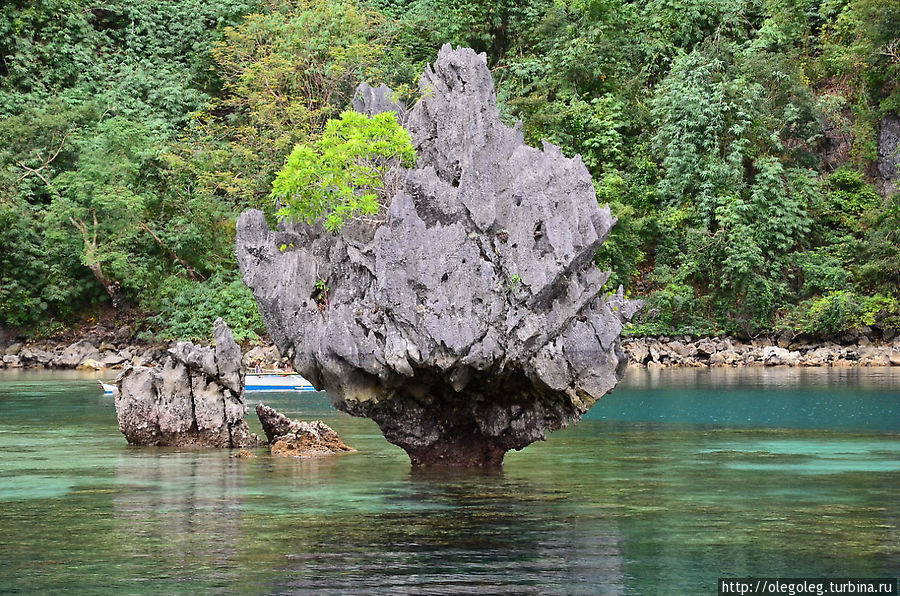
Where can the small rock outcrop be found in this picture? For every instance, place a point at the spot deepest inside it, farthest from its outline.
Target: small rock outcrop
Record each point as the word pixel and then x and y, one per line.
pixel 295 438
pixel 469 321
pixel 195 398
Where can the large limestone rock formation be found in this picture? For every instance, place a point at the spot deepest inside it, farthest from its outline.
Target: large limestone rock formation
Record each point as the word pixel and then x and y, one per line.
pixel 469 322
pixel 196 398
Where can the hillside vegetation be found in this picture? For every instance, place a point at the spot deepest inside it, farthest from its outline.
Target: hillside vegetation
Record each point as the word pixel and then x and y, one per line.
pixel 735 140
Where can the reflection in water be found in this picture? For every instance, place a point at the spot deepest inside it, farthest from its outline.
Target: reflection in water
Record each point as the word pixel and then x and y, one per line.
pixel 446 531
pixel 882 378
pixel 180 509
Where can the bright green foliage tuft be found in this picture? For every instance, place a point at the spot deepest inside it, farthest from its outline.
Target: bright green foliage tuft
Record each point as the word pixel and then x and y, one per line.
pixel 352 171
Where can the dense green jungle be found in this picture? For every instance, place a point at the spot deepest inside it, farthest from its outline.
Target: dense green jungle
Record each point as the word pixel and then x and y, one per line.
pixel 737 142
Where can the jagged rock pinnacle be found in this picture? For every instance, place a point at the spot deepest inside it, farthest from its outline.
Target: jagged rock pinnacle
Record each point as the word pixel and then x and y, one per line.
pixel 195 398
pixel 469 322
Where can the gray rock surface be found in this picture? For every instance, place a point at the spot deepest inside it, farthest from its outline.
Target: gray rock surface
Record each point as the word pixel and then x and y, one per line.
pixel 195 398
pixel 888 165
pixel 12 361
pixel 112 359
pixel 469 323
pixel 776 356
pixel 665 352
pixel 375 100
pixel 77 353
pixel 36 356
pixel 267 354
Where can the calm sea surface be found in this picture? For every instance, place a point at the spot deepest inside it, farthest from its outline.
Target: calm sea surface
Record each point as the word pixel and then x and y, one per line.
pixel 672 481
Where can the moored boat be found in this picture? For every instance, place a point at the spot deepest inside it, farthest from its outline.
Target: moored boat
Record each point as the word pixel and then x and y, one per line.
pixel 276 381
pixel 272 381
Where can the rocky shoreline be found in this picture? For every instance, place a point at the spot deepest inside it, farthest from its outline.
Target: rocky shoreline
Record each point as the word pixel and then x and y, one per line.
pixel 688 352
pixel 108 351
pixel 89 353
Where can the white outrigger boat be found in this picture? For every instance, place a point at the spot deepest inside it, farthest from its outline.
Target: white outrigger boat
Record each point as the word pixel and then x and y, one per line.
pixel 267 381
pixel 276 381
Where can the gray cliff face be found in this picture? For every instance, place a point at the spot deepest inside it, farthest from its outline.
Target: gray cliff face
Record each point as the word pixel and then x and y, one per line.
pixel 469 323
pixel 196 398
pixel 887 167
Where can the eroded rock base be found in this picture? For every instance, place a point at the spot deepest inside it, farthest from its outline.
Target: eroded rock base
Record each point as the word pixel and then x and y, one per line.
pixel 466 449
pixel 454 432
pixel 438 426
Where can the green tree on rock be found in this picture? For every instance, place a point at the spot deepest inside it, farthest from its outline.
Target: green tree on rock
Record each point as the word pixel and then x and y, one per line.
pixel 352 171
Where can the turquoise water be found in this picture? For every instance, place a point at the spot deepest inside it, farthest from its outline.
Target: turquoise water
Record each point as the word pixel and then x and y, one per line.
pixel 672 481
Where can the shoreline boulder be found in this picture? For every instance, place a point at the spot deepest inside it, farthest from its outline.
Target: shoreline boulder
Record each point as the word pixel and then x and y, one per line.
pixel 77 353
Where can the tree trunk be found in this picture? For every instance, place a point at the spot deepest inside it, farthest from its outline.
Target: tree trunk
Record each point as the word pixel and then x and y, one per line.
pixel 113 288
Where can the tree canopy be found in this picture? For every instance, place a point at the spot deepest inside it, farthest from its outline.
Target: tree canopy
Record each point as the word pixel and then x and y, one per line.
pixel 735 140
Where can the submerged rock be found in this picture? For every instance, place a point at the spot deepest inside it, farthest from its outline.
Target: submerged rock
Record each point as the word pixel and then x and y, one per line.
pixel 468 323
pixel 296 438
pixel 195 398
